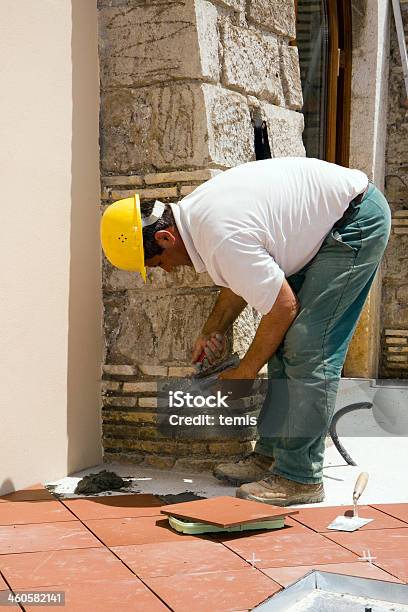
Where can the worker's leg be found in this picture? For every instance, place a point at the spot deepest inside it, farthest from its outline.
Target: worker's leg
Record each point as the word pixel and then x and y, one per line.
pixel 270 421
pixel 336 283
pixel 332 296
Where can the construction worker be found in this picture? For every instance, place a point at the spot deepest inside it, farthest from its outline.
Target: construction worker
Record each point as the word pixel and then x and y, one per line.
pixel 299 240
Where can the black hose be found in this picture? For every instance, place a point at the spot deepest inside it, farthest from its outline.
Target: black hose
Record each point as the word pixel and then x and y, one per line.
pixel 333 432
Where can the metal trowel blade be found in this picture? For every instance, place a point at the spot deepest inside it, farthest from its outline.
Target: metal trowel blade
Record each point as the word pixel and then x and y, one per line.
pixel 348 523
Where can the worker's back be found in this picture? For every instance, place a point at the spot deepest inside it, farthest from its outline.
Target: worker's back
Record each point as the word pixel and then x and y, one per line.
pixel 281 207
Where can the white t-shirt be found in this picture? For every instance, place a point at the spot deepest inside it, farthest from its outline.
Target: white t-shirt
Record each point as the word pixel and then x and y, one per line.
pixel 256 223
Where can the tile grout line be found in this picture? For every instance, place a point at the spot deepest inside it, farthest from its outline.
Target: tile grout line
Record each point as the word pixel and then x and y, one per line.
pixel 390 574
pixel 121 560
pixel 368 530
pixel 10 589
pixel 388 514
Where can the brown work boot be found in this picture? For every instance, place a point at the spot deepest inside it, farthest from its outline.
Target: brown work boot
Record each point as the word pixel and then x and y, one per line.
pixel 253 467
pixel 280 491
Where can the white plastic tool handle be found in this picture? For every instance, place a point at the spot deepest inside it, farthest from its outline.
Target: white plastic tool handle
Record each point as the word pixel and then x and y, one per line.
pixel 360 485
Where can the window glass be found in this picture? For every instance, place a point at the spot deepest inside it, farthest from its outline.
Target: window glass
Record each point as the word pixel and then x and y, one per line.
pixel 312 41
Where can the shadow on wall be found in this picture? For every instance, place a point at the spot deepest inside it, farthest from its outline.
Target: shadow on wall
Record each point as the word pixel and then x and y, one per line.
pixel 85 300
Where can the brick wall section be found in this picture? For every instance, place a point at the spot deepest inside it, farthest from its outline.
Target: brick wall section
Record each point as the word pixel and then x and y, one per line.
pixel 179 81
pixel 394 309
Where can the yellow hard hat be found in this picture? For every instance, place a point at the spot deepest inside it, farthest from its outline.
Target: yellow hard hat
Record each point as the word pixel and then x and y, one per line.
pixel 122 233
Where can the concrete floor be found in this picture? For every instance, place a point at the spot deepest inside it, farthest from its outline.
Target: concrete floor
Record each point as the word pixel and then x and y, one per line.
pixel 385 459
pixel 369 436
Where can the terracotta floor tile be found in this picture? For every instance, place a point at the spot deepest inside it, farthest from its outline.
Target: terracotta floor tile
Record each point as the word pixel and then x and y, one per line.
pixel 291 527
pixel 281 549
pixel 319 518
pixel 225 510
pixel 34 492
pixel 24 512
pixel 45 536
pixel 399 511
pixel 13 608
pixel 118 595
pixel 42 569
pixel 142 530
pixel 384 543
pixel 287 575
pixel 220 591
pixel 115 506
pixel 396 567
pixel 169 558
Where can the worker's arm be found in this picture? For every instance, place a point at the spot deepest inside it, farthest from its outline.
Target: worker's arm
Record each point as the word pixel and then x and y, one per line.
pixel 269 335
pixel 226 309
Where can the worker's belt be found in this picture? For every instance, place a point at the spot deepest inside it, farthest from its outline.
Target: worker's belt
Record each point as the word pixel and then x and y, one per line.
pixel 352 207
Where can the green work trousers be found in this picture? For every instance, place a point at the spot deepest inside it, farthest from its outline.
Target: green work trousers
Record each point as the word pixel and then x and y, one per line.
pixel 304 372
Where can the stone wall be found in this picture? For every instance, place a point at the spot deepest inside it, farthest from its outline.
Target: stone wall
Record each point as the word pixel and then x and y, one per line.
pixel 179 82
pixel 395 269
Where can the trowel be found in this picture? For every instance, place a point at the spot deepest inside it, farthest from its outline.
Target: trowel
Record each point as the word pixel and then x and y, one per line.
pixel 351 523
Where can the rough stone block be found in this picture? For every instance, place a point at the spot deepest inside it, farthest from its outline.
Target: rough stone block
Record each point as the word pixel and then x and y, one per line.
pixel 230 133
pixel 119 370
pixel 120 280
pixel 396 332
pixel 290 75
pixel 277 16
pixel 180 177
pixel 154 42
pixel 187 189
pixel 162 193
pixel 181 371
pixel 397 189
pixel 285 128
pixel 399 358
pixel 129 416
pixel 394 311
pixel 396 340
pixel 237 5
pixel 143 328
pixel 153 370
pixel 114 181
pixel 396 259
pixel 399 221
pixel 195 465
pixel 140 387
pixel 251 63
pixel 124 402
pixel 230 448
pixel 110 385
pixel 243 330
pixel 111 455
pixel 154 128
pixel 148 402
pixel 178 125
pixel 160 463
pixel 400 214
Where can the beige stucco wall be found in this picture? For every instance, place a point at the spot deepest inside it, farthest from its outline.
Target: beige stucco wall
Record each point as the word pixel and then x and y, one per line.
pixel 49 251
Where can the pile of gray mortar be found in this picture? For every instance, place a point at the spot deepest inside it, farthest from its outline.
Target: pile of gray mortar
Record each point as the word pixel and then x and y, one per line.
pixel 100 481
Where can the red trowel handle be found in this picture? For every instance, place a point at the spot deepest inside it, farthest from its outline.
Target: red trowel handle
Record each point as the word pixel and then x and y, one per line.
pixel 201 357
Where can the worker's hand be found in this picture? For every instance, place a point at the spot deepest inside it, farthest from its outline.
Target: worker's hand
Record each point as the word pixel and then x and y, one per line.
pixel 237 382
pixel 214 346
pixel 239 373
